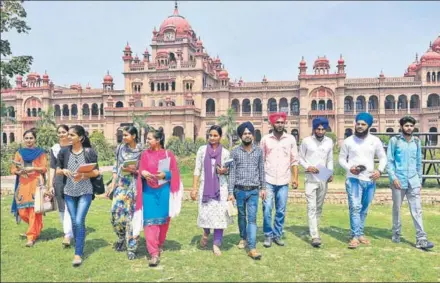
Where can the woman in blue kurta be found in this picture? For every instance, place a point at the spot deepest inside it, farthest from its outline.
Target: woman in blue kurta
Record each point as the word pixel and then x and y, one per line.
pixel 158 184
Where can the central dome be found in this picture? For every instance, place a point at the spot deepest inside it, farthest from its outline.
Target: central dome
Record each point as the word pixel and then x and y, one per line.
pixel 176 22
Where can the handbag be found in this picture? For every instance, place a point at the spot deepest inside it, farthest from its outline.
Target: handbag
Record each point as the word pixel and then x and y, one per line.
pixel 98 185
pixel 232 208
pixel 43 201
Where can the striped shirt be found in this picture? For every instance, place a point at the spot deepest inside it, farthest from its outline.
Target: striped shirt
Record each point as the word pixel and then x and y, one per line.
pixel 247 169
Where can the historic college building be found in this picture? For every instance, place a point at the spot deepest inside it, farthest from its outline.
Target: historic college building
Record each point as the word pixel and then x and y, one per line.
pixel 185 90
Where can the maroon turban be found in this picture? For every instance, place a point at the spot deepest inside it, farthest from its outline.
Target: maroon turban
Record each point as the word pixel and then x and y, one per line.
pixel 275 116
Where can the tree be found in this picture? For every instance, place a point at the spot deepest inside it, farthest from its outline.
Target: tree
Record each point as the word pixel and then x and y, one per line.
pixel 229 122
pixel 105 151
pixel 140 123
pixel 12 18
pixel 46 129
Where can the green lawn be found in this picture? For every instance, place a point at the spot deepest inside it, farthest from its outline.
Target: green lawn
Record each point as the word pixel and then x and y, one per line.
pixel 183 260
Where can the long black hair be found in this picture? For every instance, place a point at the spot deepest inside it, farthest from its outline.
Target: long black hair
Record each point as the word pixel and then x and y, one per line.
pixel 159 135
pixel 132 131
pixel 81 132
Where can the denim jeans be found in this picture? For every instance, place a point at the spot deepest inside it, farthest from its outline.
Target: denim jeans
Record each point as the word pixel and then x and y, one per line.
pixel 278 195
pixel 247 204
pixel 360 194
pixel 78 208
pixel 415 208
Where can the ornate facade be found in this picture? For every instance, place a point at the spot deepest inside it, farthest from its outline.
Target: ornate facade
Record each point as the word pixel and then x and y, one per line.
pixel 185 90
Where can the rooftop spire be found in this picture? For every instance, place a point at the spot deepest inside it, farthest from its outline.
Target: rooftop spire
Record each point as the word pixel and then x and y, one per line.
pixel 176 10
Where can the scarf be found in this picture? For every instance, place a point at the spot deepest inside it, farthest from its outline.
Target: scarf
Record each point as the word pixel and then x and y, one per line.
pixel 150 161
pixel 211 189
pixel 28 155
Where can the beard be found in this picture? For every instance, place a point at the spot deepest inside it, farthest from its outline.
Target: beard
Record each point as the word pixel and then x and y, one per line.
pixel 407 133
pixel 319 137
pixel 361 134
pixel 246 143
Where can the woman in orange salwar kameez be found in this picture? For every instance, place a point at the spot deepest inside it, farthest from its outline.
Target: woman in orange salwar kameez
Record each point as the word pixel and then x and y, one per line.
pixel 33 164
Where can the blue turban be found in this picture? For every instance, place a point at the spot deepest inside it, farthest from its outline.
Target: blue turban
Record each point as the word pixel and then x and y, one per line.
pixel 364 116
pixel 320 121
pixel 246 125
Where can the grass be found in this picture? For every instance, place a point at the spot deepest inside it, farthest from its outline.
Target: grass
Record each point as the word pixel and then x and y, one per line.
pixel 183 260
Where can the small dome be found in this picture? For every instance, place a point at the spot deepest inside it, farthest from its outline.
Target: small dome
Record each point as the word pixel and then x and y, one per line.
pixel 321 62
pixel 45 77
pixel 430 56
pixel 199 42
pixel 303 62
pixel 223 74
pixel 127 47
pixel 108 78
pixel 177 22
pixel 341 60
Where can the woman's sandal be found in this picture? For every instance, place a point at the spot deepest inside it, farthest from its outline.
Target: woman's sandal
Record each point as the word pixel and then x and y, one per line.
pixel 216 250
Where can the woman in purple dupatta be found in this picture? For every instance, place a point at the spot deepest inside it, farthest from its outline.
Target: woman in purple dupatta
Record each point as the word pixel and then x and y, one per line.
pixel 210 181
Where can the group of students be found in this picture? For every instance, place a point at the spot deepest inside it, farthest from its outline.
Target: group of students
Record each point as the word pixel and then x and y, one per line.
pixel 146 189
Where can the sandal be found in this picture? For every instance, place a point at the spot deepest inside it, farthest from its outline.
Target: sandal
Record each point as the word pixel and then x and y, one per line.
pixel 204 241
pixel 30 243
pixel 353 244
pixel 216 250
pixel 22 235
pixel 66 242
pixel 364 240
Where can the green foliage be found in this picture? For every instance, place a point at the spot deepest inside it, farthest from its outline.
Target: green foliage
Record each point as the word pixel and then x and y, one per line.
pixel 184 148
pixel 140 123
pixel 12 18
pixel 46 137
pixel 7 153
pixel 332 136
pixel 230 123
pixel 105 151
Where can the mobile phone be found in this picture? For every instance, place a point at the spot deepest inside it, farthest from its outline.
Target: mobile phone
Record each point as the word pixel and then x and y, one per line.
pixel 361 168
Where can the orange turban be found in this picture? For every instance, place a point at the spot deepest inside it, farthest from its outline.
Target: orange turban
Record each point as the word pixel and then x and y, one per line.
pixel 275 116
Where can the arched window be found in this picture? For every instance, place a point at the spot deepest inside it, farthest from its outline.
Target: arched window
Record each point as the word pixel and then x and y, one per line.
pixel 272 105
pixel 210 106
pixel 34 112
pixel 65 110
pixel 321 105
pixel 247 106
pixel 329 105
pixel 11 137
pixel 373 130
pixel 86 110
pixel 348 104
pixel 360 104
pixel 314 105
pixel 28 112
pixel 5 138
pixel 119 104
pixel 166 86
pixel 390 130
pixel 373 103
pixel 284 106
pixel 162 87
pixel 57 110
pixel 257 107
pixel 74 110
pixel 433 77
pixel 428 77
pixel 101 109
pixel 152 87
pixel 294 106
pixel 95 109
pixel 11 111
pixel 158 86
pixel 236 106
pixel 402 102
pixel 390 103
pixel 433 100
pixel 173 86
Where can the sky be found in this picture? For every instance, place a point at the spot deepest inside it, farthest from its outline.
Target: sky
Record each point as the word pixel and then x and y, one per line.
pixel 78 41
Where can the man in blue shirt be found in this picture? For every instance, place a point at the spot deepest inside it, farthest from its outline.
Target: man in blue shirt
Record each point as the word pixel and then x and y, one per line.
pixel 405 172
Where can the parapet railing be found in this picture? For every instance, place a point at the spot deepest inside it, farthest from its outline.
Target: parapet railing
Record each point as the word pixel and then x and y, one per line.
pixel 430 148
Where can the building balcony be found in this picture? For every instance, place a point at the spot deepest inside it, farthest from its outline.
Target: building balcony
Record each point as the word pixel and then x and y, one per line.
pixel 245 114
pixel 390 111
pixel 414 110
pixel 210 114
pixel 402 111
pixel 348 112
pixel 258 113
pixel 433 109
pixel 28 119
pixel 373 111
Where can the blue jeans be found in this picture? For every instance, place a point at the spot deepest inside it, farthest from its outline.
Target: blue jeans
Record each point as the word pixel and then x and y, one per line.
pixel 279 193
pixel 247 203
pixel 78 208
pixel 360 194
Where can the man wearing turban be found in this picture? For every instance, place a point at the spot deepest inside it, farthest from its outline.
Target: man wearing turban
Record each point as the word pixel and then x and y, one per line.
pixel 281 168
pixel 315 152
pixel 357 158
pixel 246 183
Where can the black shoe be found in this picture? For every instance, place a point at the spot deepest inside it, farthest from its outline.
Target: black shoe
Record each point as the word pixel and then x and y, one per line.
pixel 267 242
pixel 278 241
pixel 131 255
pixel 424 244
pixel 119 246
pixel 154 261
pixel 316 242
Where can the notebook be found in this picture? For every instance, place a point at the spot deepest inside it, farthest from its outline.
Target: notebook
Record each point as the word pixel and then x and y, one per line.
pixel 164 166
pixel 86 168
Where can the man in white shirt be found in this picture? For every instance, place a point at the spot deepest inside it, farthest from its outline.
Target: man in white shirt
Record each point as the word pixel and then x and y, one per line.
pixel 316 151
pixel 357 158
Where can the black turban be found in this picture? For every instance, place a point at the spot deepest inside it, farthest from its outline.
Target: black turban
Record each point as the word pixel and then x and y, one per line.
pixel 246 125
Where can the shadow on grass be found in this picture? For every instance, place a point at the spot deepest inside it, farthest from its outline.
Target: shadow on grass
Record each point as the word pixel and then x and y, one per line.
pixel 229 241
pixel 91 246
pixel 168 246
pixel 50 234
pixel 301 232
